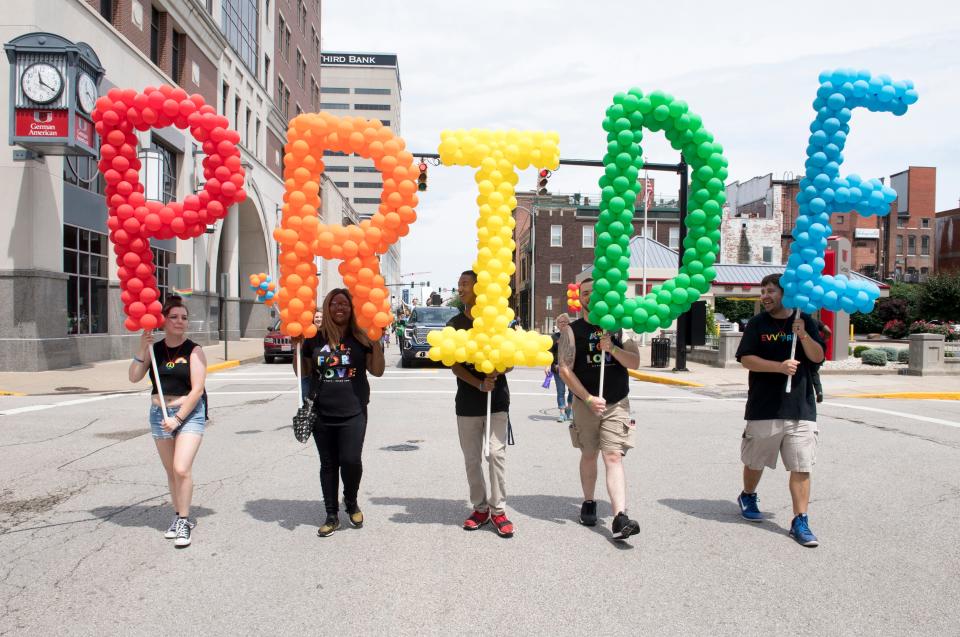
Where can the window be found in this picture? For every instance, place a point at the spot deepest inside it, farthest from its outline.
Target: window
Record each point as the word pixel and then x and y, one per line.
pixel 549 302
pixel 334 106
pixel 240 22
pixel 298 109
pixel 154 36
pixel 316 44
pixel 924 223
pixel 899 244
pixel 365 169
pixel 286 44
pixel 266 70
pixel 177 49
pixel 556 236
pixel 281 31
pixel 366 200
pixel 333 89
pixel 337 169
pixel 385 122
pixel 587 241
pixel 86 265
pixel 911 244
pixel 925 246
pixel 281 87
pixel 82 172
pixel 371 107
pixel 556 273
pixel 301 69
pixel 314 95
pixel 342 184
pixel 367 184
pixel 674 237
pixel 372 91
pixel 249 143
pixel 767 254
pixel 162 259
pixel 333 153
pixel 901 223
pixel 170 163
pixel 585 266
pixel 236 113
pixel 839 220
pixel 302 16
pixel 266 12
pixel 256 139
pixel 106 10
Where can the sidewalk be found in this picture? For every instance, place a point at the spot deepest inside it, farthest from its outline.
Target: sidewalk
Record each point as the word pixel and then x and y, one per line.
pixel 111 376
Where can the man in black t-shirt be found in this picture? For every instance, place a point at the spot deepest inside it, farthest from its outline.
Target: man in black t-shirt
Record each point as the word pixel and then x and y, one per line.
pixel 601 424
pixel 473 386
pixel 780 422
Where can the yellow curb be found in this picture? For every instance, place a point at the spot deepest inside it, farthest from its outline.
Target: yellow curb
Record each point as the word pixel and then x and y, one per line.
pixel 650 378
pixel 4 392
pixel 216 367
pixel 908 395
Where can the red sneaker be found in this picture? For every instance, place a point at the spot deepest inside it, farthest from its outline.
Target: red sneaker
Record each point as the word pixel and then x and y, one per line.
pixel 476 520
pixel 503 525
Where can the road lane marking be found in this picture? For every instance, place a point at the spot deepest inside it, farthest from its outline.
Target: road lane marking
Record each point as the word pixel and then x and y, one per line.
pixel 66 403
pixel 902 414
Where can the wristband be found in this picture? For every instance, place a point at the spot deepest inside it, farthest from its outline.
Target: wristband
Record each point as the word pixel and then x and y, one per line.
pixel 139 360
pixel 588 400
pixel 178 419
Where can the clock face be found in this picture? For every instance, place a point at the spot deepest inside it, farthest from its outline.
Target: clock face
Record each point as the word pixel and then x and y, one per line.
pixel 42 83
pixel 86 92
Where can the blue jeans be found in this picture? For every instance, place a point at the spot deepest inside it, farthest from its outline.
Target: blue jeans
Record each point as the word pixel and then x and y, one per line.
pixel 561 389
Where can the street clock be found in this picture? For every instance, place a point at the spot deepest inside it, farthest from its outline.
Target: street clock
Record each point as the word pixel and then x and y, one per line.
pixel 53 91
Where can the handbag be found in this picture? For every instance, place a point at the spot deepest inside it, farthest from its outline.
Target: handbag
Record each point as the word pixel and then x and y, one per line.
pixel 303 421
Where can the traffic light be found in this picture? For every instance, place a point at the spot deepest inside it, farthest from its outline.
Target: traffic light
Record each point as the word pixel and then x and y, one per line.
pixel 542 181
pixel 422 179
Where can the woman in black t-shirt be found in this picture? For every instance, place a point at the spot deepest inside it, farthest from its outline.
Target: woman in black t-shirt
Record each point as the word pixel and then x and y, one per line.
pixel 178 432
pixel 338 359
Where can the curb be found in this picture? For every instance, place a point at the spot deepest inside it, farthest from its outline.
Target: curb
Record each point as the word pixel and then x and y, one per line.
pixel 910 395
pixel 661 380
pixel 216 367
pixel 4 392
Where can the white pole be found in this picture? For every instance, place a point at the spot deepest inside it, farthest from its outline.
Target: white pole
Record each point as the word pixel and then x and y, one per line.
pixel 646 244
pixel 156 377
pixel 486 432
pixel 603 368
pixel 299 375
pixel 793 349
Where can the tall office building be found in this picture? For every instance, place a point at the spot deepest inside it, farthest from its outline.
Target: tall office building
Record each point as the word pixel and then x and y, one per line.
pixel 365 85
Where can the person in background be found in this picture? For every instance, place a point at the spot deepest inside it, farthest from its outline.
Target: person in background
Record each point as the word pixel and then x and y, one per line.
pixel 825 334
pixel 564 395
pixel 779 422
pixel 178 432
pixel 339 358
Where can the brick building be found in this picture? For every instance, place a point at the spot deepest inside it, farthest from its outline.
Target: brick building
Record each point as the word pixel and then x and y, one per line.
pixel 948 240
pixel 555 241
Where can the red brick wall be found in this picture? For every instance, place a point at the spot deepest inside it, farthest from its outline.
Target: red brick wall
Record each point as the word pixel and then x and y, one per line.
pixel 287 69
pixel 948 240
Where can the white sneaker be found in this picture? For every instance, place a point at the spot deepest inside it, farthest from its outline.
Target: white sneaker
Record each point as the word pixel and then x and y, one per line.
pixel 184 526
pixel 172 531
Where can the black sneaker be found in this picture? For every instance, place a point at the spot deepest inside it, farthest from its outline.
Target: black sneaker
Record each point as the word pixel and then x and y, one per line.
pixel 331 524
pixel 624 527
pixel 184 526
pixel 588 513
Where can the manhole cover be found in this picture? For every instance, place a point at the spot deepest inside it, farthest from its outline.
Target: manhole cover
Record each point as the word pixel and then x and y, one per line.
pixel 402 447
pixel 70 389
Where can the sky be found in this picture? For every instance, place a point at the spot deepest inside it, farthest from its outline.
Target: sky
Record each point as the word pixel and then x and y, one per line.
pixel 750 69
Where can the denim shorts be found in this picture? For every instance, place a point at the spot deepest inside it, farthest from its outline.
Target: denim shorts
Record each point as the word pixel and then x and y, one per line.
pixel 192 424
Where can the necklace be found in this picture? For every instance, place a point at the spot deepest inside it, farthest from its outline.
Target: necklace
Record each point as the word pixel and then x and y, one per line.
pixel 171 360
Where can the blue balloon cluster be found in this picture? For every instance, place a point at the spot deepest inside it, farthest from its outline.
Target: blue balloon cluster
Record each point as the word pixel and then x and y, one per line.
pixel 262 284
pixel 823 191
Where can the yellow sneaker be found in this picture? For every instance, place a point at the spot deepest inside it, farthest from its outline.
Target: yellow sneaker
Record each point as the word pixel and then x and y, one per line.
pixel 356 518
pixel 331 524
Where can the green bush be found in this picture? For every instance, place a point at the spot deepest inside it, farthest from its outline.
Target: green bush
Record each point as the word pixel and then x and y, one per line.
pixel 891 352
pixel 874 357
pixel 866 323
pixel 860 349
pixel 903 356
pixel 895 329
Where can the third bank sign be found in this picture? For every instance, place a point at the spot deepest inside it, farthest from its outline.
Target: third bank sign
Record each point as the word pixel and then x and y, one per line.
pixel 359 59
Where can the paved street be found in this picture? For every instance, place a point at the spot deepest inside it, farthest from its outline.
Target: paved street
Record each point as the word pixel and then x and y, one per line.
pixel 83 507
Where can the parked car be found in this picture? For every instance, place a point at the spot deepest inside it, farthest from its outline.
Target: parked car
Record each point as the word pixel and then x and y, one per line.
pixel 422 320
pixel 276 345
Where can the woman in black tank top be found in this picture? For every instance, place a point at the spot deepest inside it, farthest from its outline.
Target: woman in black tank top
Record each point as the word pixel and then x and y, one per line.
pixel 179 431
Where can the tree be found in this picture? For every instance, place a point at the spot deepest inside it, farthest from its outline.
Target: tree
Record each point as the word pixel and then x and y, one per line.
pixel 733 309
pixel 939 298
pixel 455 302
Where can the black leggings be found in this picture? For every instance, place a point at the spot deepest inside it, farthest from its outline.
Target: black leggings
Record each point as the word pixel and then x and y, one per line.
pixel 340 449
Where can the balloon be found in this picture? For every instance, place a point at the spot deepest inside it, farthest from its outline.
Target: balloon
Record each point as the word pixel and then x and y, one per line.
pixel 302 236
pixel 626 119
pixel 133 220
pixel 823 191
pixel 489 344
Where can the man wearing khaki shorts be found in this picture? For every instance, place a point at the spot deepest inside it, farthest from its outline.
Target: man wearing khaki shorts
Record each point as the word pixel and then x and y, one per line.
pixel 780 422
pixel 601 424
